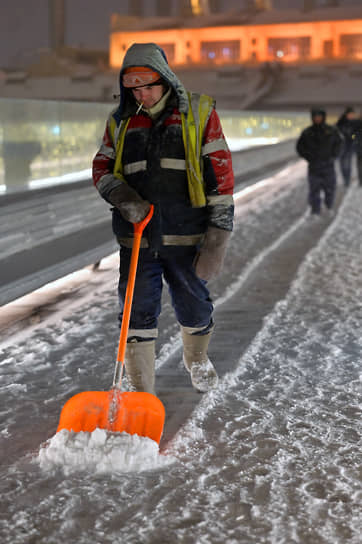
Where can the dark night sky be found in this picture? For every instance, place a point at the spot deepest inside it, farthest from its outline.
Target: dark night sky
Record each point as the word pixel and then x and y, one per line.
pixel 24 24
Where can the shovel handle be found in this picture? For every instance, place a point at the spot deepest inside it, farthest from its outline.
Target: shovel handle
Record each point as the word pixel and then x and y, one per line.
pixel 138 229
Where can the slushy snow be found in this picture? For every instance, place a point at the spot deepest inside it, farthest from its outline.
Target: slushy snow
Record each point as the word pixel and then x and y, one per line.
pixel 271 456
pixel 101 452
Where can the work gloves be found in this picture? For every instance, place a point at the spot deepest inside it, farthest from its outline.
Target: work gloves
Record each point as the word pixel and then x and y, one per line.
pixel 209 260
pixel 132 207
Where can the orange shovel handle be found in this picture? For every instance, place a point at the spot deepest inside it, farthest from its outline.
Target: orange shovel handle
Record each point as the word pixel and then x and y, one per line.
pixel 138 229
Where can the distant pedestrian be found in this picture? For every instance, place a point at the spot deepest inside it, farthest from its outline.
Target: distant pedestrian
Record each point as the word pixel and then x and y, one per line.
pixel 357 125
pixel 320 144
pixel 346 127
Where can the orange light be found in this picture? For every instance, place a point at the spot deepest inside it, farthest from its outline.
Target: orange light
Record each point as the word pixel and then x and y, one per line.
pixel 309 41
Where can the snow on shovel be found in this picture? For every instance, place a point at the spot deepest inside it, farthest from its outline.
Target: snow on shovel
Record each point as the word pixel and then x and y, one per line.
pixel 130 412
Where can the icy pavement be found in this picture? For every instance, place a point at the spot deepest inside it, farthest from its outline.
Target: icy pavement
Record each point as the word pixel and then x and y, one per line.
pixel 281 436
pixel 273 455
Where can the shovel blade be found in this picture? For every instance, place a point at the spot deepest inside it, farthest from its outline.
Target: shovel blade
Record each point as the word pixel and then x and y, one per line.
pixel 133 413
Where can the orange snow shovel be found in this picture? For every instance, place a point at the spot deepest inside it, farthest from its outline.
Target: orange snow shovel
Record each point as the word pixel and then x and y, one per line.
pixel 131 412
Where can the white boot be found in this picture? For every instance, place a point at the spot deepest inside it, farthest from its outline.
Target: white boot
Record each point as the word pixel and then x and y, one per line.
pixel 140 366
pixel 196 361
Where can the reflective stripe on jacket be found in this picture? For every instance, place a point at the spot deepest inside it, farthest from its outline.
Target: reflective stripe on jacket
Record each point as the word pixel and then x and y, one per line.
pixel 151 156
pixel 193 126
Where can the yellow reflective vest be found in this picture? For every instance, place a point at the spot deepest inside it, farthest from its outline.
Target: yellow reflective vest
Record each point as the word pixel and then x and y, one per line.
pixel 193 126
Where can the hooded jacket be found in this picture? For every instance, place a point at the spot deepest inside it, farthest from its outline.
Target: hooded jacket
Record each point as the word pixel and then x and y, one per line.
pixel 320 143
pixel 152 156
pixel 347 129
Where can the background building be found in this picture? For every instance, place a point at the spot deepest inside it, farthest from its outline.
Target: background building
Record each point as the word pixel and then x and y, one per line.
pixel 274 35
pixel 27 27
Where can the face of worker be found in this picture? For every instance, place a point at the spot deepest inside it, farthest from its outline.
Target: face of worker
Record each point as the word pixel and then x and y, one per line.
pixel 351 115
pixel 318 119
pixel 149 95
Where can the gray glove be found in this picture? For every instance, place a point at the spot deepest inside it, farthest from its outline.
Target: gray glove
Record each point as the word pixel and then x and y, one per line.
pixel 132 207
pixel 209 261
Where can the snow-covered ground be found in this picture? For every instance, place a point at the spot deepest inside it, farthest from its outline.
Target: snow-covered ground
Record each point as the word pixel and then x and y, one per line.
pixel 273 455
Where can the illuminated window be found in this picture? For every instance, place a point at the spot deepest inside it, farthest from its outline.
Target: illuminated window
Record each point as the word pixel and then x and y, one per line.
pixel 289 48
pixel 351 45
pixel 220 52
pixel 196 7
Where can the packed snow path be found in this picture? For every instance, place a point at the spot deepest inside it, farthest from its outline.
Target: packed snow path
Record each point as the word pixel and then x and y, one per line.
pixel 271 456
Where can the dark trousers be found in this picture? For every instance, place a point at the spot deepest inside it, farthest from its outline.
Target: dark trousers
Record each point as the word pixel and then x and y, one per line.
pixel 359 167
pixel 189 295
pixel 322 179
pixel 345 162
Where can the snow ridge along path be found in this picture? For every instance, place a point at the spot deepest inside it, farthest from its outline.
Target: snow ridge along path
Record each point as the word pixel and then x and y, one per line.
pixel 282 435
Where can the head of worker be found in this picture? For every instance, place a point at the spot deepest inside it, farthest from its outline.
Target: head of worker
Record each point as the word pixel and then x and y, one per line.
pixel 146 85
pixel 349 113
pixel 146 80
pixel 318 116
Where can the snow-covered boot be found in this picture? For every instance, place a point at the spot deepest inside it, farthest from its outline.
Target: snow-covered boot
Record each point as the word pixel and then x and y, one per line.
pixel 196 361
pixel 140 366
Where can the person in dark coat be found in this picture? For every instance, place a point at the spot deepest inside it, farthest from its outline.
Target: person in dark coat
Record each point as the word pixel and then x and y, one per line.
pixel 357 132
pixel 346 127
pixel 164 146
pixel 320 145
